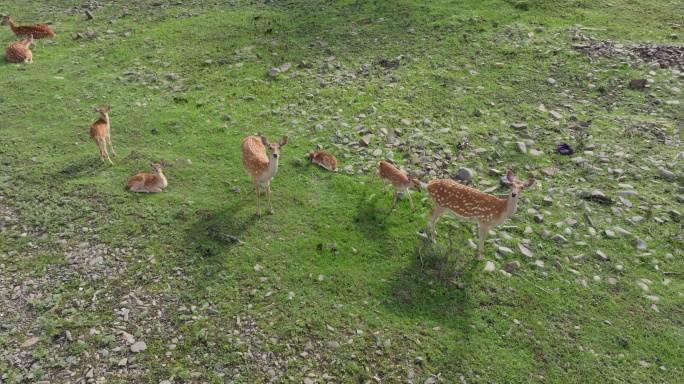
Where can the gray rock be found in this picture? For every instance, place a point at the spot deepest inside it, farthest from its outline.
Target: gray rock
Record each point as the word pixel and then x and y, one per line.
pixel 465 174
pixel 522 148
pixel 512 266
pixel 601 256
pixel 622 231
pixel 30 342
pixel 273 72
pixel 535 152
pixel 538 218
pixel 138 346
pixel 559 238
pixel 545 234
pixel 518 126
pixel 664 173
pixel 505 250
pixel 96 261
pixel 555 115
pixel 641 245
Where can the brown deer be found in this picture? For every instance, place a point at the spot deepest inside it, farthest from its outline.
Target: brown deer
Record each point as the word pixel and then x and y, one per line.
pixel 38 31
pixel 398 179
pixel 99 133
pixel 19 52
pixel 149 182
pixel 324 159
pixel 473 205
pixel 259 166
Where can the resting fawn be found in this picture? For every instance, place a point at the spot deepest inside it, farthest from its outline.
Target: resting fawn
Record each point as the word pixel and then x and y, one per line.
pixel 324 159
pixel 149 182
pixel 398 179
pixel 99 133
pixel 259 166
pixel 473 205
pixel 38 31
pixel 19 52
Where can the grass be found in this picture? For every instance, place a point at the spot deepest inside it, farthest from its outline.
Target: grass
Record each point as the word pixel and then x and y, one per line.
pixel 352 264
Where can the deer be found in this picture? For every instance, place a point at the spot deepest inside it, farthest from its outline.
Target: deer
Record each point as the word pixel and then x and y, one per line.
pixel 259 166
pixel 324 159
pixel 19 52
pixel 470 204
pixel 398 179
pixel 99 133
pixel 38 31
pixel 149 182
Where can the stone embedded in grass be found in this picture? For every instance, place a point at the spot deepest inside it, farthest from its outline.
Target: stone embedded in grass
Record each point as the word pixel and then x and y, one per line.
pixel 522 148
pixel 512 266
pixel 489 267
pixel 525 251
pixel 285 67
pixel 601 256
pixel 555 115
pixel 559 238
pixel 30 342
pixel 665 174
pixel 641 245
pixel 465 174
pixel 273 72
pixel 138 347
pixel 518 126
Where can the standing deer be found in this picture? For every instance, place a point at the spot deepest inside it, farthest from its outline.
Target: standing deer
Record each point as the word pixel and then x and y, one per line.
pixel 324 159
pixel 149 182
pixel 259 166
pixel 99 133
pixel 19 52
pixel 398 179
pixel 473 205
pixel 38 31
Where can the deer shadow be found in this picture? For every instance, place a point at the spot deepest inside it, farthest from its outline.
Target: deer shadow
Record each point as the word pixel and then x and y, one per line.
pixel 434 287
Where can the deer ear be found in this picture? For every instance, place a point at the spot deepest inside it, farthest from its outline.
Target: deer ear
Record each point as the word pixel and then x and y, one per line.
pixel 108 108
pixel 529 183
pixel 283 141
pixel 264 141
pixel 95 109
pixel 151 164
pixel 509 176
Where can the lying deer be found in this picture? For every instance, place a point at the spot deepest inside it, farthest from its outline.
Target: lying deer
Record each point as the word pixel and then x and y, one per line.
pixel 324 159
pixel 259 166
pixel 99 133
pixel 398 179
pixel 19 52
pixel 149 182
pixel 38 31
pixel 473 205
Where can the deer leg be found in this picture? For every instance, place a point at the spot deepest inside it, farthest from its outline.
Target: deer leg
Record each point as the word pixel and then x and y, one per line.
pixel 434 216
pixel 413 208
pixel 394 207
pixel 483 235
pixel 268 198
pixel 109 138
pixel 99 148
pixel 384 186
pixel 256 188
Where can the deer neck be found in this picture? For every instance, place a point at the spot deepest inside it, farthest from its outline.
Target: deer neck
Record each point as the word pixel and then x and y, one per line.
pixel 161 180
pixel 13 27
pixel 270 170
pixel 511 206
pixel 105 119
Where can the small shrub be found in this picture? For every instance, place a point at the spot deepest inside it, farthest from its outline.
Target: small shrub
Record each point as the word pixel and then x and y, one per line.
pixel 445 259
